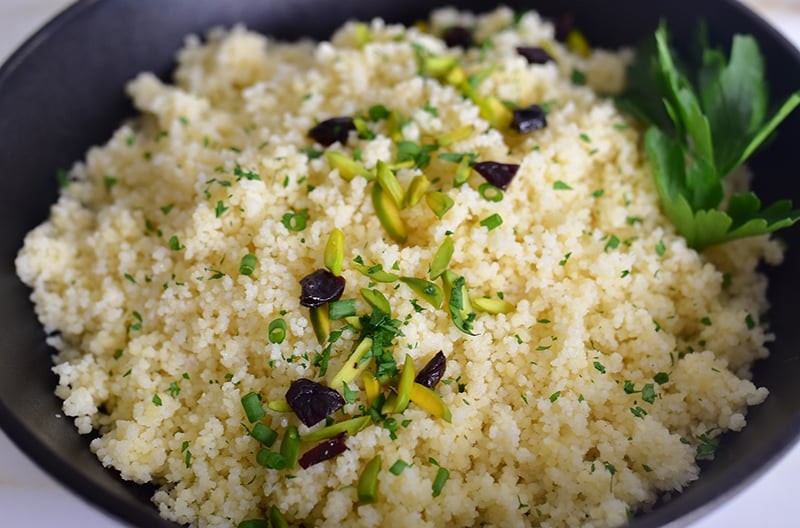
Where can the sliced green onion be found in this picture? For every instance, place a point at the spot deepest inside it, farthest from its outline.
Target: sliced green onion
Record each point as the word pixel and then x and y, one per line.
pixel 354 364
pixel 251 402
pixel 388 181
pixel 492 222
pixel 490 193
pixel 290 447
pixel 270 459
pixel 492 306
pixel 334 252
pixel 389 214
pixel 341 309
pixel 248 264
pixel 295 221
pixel 398 467
pixel 277 331
pixel 405 384
pixel 427 290
pixel 348 168
pixel 351 427
pixel 276 518
pixel 439 202
pixel 416 190
pixel 264 434
pixel 321 323
pixel 442 257
pixel 368 482
pixel 441 479
pixel 377 300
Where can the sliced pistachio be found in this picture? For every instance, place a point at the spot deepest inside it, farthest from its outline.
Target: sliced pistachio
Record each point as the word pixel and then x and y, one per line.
pixel 321 322
pixel 404 385
pixel 354 364
pixel 416 190
pixel 362 34
pixel 407 164
pixel 577 43
pixel 351 427
pixel 442 257
pixel 439 202
pixel 389 405
pixel 492 306
pixel 455 76
pixel 430 401
pixel 376 273
pixel 354 321
pixel 348 168
pixel 279 405
pixel 458 302
pixel 394 125
pixel 454 136
pixel 463 172
pixel 371 386
pixel 363 129
pixel 334 252
pixel 388 181
pixel 495 112
pixel 368 482
pixel 438 66
pixel 377 300
pixel 389 214
pixel 427 290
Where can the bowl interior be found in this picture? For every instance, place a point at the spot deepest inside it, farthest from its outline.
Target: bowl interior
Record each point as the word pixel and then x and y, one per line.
pixel 63 92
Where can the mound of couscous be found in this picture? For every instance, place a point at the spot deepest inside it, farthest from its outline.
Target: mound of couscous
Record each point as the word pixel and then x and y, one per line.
pixel 591 356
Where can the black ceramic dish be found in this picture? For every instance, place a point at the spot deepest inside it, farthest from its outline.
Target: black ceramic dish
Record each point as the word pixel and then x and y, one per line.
pixel 63 92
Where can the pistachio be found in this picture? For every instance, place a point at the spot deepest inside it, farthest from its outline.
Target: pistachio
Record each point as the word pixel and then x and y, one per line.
pixel 427 290
pixel 348 168
pixel 442 257
pixel 334 252
pixel 321 322
pixel 492 306
pixel 354 364
pixel 388 182
pixel 430 401
pixel 416 190
pixel 389 214
pixel 351 427
pixel 404 385
pixel 377 300
pixel 368 482
pixel 439 202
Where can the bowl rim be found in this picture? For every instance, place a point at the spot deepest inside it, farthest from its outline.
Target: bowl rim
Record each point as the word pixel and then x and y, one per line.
pixel 141 514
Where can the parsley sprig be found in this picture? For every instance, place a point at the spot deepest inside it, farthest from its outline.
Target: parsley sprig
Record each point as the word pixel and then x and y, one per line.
pixel 706 119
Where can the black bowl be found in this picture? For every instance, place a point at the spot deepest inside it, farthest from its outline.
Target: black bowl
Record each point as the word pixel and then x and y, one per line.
pixel 63 92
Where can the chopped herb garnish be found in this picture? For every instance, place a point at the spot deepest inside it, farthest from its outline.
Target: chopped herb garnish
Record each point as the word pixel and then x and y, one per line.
pixel 157 400
pixel 577 77
pixel 247 175
pixel 175 243
pixel 600 368
pixel 555 396
pixel 110 182
pixel 560 185
pixel 220 209
pixel 611 243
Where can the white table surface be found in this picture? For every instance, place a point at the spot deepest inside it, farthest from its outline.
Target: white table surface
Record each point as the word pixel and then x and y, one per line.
pixel 30 498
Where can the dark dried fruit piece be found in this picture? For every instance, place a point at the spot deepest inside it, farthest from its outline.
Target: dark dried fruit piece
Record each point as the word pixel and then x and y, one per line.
pixel 529 119
pixel 324 450
pixel 431 373
pixel 458 36
pixel 332 130
pixel 564 24
pixel 312 402
pixel 534 54
pixel 498 174
pixel 320 287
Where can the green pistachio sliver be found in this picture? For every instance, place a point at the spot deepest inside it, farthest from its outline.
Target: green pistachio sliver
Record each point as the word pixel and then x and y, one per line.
pixel 389 405
pixel 438 66
pixel 351 427
pixel 321 322
pixel 405 384
pixel 441 259
pixel 389 214
pixel 368 482
pixel 353 366
pixel 363 129
pixel 355 322
pixel 439 202
pixel 430 401
pixel 281 406
pixel 394 125
pixel 494 111
pixel 408 164
pixel 492 306
pixel 463 172
pixel 290 446
pixel 455 76
pixel 334 252
pixel 348 168
pixel 388 181
pixel 377 300
pixel 362 34
pixel 427 290
pixel 376 273
pixel 454 136
pixel 416 190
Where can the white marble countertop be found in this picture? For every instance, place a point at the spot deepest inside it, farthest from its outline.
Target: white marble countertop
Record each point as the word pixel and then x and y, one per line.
pixel 31 498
